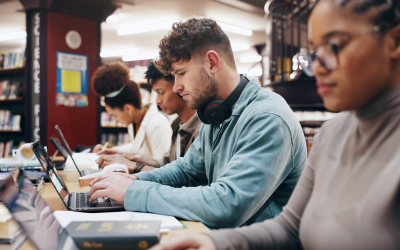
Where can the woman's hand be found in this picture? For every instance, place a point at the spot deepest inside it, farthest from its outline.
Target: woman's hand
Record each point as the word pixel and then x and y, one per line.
pixel 185 240
pixel 97 148
pixel 108 151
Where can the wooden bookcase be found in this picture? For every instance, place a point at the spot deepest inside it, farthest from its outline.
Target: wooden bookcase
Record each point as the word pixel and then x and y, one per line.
pixel 16 106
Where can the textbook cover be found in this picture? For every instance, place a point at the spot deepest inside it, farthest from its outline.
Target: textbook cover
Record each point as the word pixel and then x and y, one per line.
pixel 114 234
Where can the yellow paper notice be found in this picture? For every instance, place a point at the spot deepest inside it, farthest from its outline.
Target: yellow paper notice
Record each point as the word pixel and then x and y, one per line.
pixel 70 81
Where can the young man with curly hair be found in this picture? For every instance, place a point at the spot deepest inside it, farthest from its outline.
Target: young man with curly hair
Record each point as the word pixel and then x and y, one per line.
pixel 238 171
pixel 185 128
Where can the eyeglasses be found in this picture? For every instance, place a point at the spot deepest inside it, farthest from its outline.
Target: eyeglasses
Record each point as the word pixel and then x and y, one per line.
pixel 327 53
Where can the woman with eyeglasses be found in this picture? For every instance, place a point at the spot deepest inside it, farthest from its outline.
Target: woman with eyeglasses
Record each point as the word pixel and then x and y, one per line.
pixel 348 197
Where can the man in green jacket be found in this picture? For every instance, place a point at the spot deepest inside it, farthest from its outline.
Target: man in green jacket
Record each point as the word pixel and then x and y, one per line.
pixel 240 170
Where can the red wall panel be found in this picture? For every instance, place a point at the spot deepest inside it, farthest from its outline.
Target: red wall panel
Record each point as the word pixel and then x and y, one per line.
pixel 78 124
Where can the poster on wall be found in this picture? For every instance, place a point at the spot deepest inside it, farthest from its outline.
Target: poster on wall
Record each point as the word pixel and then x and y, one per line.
pixel 72 80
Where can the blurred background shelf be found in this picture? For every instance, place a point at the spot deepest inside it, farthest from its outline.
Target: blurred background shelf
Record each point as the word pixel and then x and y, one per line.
pixel 17 99
pixel 14 71
pixel 311 123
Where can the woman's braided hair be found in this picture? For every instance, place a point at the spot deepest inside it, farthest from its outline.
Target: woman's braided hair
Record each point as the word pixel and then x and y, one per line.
pixel 388 13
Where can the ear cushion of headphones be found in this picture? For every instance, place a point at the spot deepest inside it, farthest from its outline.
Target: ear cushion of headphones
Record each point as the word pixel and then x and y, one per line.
pixel 211 113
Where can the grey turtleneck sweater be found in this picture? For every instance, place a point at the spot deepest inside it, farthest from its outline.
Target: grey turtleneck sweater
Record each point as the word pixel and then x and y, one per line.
pixel 348 197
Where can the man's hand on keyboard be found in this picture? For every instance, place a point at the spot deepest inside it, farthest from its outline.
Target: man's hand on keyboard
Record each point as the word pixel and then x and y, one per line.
pixel 112 185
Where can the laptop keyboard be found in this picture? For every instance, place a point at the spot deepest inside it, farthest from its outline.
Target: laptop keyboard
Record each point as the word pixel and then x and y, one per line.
pixel 82 200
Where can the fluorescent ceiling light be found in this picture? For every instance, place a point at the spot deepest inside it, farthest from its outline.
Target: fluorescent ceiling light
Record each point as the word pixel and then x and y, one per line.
pixel 234 29
pixel 15 35
pixel 140 57
pixel 246 59
pixel 121 52
pixel 255 72
pixel 145 28
pixel 112 18
pixel 238 47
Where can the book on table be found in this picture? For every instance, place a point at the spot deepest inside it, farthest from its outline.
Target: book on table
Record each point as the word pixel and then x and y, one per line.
pixel 114 234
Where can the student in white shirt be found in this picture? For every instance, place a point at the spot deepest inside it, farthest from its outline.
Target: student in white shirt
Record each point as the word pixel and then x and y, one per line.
pixel 150 131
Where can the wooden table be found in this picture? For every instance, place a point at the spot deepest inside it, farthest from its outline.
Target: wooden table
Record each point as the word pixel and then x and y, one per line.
pixel 52 199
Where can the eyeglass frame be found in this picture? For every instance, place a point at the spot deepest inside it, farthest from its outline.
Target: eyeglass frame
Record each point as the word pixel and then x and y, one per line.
pixel 334 47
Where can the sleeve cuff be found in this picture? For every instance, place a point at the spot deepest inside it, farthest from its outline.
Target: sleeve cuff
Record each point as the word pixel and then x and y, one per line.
pixel 144 176
pixel 136 196
pixel 220 238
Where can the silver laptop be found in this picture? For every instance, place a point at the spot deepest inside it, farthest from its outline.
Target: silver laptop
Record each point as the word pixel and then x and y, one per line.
pixel 83 172
pixel 33 215
pixel 75 201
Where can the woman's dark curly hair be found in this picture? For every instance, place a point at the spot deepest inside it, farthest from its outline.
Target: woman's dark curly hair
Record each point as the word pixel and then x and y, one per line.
pixel 193 37
pixel 112 77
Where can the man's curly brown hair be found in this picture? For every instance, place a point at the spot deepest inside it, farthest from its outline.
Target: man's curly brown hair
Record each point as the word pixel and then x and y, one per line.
pixel 112 77
pixel 193 37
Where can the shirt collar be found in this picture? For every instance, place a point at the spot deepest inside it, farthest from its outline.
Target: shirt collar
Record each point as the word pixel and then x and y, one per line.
pixel 251 88
pixel 191 125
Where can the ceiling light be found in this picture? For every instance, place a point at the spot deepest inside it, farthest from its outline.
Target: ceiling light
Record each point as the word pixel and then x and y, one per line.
pixel 145 28
pixel 246 59
pixel 238 47
pixel 242 71
pixel 234 29
pixel 140 57
pixel 255 72
pixel 121 52
pixel 112 18
pixel 15 35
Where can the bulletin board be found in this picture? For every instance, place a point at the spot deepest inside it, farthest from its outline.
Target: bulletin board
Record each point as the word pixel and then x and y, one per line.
pixel 72 80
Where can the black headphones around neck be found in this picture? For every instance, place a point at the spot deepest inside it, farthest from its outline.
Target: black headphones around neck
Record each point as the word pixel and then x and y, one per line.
pixel 217 111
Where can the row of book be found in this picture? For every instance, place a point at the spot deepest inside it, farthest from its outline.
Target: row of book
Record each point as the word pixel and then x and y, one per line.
pixel 115 139
pixel 10 90
pixel 10 60
pixel 8 121
pixel 106 120
pixel 309 134
pixel 7 147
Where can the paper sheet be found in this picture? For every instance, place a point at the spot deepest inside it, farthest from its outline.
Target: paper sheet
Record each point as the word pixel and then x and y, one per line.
pixel 4 214
pixel 167 222
pixel 83 160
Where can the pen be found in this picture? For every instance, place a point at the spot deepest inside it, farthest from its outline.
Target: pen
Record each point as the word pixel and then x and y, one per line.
pixel 105 145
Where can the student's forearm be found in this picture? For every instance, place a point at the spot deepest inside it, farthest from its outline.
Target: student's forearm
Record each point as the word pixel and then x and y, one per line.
pixel 151 163
pixel 147 168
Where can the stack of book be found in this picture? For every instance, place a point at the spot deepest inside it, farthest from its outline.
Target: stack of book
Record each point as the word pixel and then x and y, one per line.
pixel 115 139
pixel 10 60
pixel 108 121
pixel 8 121
pixel 10 90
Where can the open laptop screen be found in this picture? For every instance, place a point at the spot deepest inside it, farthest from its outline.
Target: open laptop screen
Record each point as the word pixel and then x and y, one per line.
pixel 60 134
pixel 52 172
pixel 34 216
pixel 59 147
pixel 67 147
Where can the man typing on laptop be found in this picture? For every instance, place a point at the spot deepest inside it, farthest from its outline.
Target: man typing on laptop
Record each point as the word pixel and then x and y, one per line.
pixel 249 154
